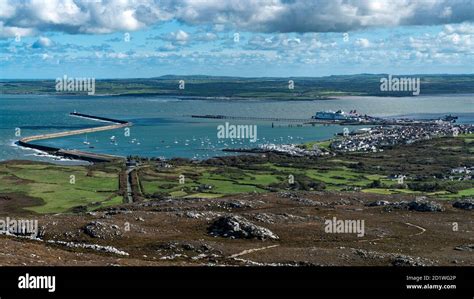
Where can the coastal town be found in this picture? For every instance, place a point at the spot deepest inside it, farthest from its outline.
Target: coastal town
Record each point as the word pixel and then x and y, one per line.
pixel 369 139
pixel 377 138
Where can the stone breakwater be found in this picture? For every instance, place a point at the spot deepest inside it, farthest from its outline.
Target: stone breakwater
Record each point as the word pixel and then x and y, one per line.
pixel 76 154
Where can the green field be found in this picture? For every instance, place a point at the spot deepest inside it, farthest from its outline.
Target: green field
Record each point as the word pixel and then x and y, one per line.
pixel 370 172
pixel 60 187
pixel 47 188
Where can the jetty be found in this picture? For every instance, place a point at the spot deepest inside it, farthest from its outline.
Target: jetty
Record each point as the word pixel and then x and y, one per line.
pixel 276 119
pixel 361 121
pixel 27 142
pixel 306 121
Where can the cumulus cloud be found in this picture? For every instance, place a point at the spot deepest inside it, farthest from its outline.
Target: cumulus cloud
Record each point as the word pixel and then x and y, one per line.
pixel 362 42
pixel 13 31
pixel 180 38
pixel 106 16
pixel 452 39
pixel 323 15
pixel 206 37
pixel 42 42
pixel 167 47
pixel 79 16
pixel 277 42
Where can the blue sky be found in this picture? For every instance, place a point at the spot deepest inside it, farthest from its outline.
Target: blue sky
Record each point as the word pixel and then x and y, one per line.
pixel 251 38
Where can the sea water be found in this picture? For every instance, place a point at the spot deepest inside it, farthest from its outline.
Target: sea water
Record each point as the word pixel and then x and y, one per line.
pixel 162 126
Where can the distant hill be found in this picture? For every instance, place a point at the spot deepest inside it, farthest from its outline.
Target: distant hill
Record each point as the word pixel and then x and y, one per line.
pixel 305 88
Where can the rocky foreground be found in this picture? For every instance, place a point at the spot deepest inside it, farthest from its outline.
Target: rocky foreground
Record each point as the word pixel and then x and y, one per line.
pixel 274 229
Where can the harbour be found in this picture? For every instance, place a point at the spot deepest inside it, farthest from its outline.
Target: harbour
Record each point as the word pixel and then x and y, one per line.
pixel 160 129
pixel 76 154
pixel 333 118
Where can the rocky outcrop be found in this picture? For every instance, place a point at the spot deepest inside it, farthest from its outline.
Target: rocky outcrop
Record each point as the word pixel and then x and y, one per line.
pixel 102 230
pixel 241 228
pixel 424 206
pixel 301 200
pixel 95 247
pixel 419 205
pixel 403 260
pixel 378 203
pixel 467 204
pixel 272 218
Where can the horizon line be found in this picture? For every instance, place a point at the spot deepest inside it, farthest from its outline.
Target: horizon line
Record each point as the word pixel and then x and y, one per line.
pixel 248 77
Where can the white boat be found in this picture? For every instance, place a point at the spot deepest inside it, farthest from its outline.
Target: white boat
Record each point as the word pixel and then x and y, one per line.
pixel 86 142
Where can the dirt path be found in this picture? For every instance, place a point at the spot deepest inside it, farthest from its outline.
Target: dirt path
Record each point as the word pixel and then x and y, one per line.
pixel 419 227
pixel 413 225
pixel 252 250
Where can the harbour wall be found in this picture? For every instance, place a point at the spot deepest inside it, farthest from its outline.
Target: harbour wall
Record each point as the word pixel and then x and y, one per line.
pixel 76 154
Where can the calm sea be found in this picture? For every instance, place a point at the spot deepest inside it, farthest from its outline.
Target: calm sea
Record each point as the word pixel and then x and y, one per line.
pixel 162 129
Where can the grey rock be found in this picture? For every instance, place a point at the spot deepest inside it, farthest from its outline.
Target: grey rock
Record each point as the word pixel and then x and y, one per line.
pixel 465 247
pixel 101 230
pixel 467 204
pixel 378 203
pixel 425 206
pixel 241 228
pixel 419 205
pixel 402 260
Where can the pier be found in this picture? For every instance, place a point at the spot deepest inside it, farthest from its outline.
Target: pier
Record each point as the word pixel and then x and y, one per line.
pixel 276 119
pixel 306 121
pixel 99 118
pixel 76 154
pixel 365 120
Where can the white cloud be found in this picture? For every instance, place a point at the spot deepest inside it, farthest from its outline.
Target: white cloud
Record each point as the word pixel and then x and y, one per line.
pixel 116 55
pixel 277 16
pixel 167 47
pixel 452 39
pixel 206 37
pixel 362 42
pixel 181 36
pixel 13 31
pixel 80 16
pixel 46 56
pixel 42 42
pixel 323 15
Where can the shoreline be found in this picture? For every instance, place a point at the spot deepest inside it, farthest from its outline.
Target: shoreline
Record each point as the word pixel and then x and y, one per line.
pixel 51 158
